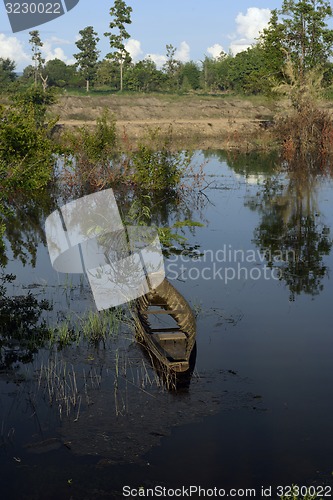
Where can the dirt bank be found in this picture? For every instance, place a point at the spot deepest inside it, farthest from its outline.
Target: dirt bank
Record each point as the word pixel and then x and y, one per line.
pixel 196 121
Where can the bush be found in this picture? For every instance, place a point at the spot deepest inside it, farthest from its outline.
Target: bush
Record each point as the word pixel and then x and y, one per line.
pixel 307 134
pixel 26 150
pixel 158 168
pixel 90 154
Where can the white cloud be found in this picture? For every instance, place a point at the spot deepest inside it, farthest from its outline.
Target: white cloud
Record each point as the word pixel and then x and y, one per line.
pixel 239 46
pixel 249 26
pixel 49 52
pixel 60 41
pixel 11 47
pixel 183 53
pixel 158 59
pixel 215 50
pixel 134 49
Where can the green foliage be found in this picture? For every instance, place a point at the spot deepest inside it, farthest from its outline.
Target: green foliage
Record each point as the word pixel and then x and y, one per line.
pixel 143 76
pixel 108 74
pixel 89 155
pixel 7 72
pixel 301 33
pixel 172 69
pixel 169 236
pixel 158 170
pixel 190 76
pixel 88 55
pixel 216 73
pixel 307 38
pixel 34 103
pixel 21 331
pixel 25 147
pixel 59 73
pixel 121 15
pixel 97 145
pixel 140 214
pixel 270 42
pixel 247 71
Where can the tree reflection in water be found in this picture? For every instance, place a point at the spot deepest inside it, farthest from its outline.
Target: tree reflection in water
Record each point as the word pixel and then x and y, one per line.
pixel 292 230
pixel 23 217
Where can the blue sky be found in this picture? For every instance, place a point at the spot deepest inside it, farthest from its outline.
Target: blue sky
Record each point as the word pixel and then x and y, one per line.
pixel 195 27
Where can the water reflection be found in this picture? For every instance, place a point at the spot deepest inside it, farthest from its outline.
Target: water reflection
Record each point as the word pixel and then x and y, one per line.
pixel 23 218
pixel 292 232
pixel 22 333
pixel 243 163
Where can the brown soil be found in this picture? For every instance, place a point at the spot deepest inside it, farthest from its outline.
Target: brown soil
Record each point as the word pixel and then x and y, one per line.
pixel 196 121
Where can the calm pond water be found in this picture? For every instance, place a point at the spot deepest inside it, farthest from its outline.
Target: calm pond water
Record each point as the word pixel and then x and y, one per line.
pixel 83 421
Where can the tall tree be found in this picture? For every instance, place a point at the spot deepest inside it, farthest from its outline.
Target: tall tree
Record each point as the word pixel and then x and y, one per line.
pixel 171 67
pixel 88 55
pixel 271 42
pixel 121 15
pixel 307 38
pixel 190 75
pixel 36 45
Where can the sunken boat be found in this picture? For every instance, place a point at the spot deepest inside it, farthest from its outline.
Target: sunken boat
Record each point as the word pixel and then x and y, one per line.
pixel 166 327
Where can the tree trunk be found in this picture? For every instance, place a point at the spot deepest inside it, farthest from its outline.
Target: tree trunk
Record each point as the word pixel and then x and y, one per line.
pixel 44 80
pixel 87 85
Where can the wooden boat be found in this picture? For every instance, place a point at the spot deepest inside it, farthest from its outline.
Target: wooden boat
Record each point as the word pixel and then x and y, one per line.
pixel 173 346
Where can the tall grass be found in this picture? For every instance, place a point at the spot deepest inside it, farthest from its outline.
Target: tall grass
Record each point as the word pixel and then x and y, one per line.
pixel 306 134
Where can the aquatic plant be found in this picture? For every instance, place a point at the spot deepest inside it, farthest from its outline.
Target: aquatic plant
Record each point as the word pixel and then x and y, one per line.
pixel 98 326
pixel 155 166
pixel 89 156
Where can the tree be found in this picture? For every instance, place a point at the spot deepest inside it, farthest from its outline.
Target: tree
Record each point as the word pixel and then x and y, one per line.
pixel 247 72
pixel 190 75
pixel 58 73
pixel 143 76
pixel 7 73
pixel 215 74
pixel 121 14
pixel 303 34
pixel 107 74
pixel 172 67
pixel 36 45
pixel 271 43
pixel 88 55
pixel 28 74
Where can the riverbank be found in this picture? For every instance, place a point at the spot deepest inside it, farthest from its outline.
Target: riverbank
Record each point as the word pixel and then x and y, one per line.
pixel 200 122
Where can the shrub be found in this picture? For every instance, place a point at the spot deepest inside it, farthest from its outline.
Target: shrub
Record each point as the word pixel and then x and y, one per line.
pixel 90 154
pixel 306 134
pixel 26 149
pixel 158 168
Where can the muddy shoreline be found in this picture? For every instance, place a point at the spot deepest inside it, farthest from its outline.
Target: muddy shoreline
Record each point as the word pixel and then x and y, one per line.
pixel 198 122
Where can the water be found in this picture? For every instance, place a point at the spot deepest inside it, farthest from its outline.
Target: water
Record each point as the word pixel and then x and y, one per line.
pixel 258 409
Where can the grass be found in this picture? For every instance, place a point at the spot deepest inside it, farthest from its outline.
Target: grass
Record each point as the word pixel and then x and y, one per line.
pixel 70 388
pixel 93 327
